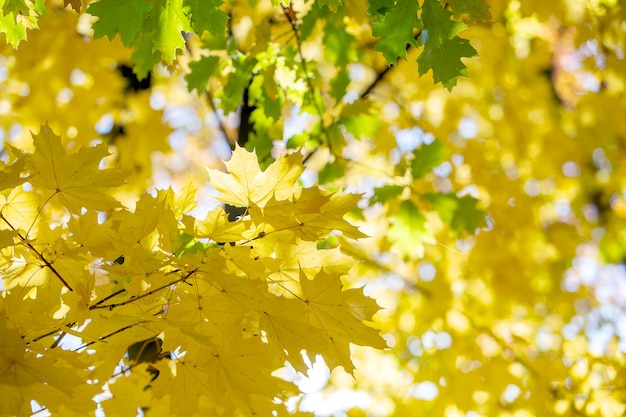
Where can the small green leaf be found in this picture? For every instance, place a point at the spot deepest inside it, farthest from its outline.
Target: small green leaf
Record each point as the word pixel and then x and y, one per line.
pixel 427 157
pixel 443 49
pixel 460 214
pixel 467 217
pixel 13 31
pixel 338 45
pixel 395 27
pixel 144 58
pixel 386 193
pixel 332 171
pixel 358 119
pixel 339 85
pixel 201 71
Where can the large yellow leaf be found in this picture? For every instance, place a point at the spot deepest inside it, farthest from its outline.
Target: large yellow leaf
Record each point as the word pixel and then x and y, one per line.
pixel 75 178
pixel 340 315
pixel 246 183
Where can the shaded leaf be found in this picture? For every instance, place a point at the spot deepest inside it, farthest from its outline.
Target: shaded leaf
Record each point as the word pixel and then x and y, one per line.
pixel 443 48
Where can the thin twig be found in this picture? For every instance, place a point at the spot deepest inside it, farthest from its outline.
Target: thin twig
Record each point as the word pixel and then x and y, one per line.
pixel 305 70
pixel 220 122
pixel 50 333
pixel 374 83
pixel 139 297
pixel 108 297
pixel 41 257
pixel 101 338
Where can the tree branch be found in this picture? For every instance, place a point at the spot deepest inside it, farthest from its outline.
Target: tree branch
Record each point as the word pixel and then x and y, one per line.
pixel 139 297
pixel 305 70
pixel 39 255
pixel 220 122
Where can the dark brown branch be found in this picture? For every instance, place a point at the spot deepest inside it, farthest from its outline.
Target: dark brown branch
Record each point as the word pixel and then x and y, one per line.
pixel 381 74
pixel 377 80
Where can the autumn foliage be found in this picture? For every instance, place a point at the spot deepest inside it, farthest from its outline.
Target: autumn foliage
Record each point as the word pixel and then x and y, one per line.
pixel 203 202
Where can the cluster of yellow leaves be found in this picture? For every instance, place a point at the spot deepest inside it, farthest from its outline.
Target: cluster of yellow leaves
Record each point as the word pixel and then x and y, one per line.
pixel 229 300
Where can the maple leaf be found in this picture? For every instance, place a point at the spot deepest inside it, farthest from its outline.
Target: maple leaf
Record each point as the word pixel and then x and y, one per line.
pixel 207 15
pixel 10 176
pixel 18 7
pixel 460 213
pixel 218 228
pixel 474 9
pixel 312 215
pixel 185 383
pixel 167 24
pixel 427 157
pixel 74 178
pixel 18 209
pixel 395 25
pixel 443 49
pixel 125 17
pixel 201 71
pixel 48 379
pixel 246 183
pixel 15 32
pixel 340 314
pixel 129 392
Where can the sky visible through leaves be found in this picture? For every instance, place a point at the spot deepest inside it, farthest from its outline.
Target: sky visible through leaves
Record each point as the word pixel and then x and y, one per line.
pixel 378 208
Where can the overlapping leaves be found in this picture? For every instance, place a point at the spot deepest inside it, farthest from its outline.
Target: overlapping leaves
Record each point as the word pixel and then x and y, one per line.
pixel 234 297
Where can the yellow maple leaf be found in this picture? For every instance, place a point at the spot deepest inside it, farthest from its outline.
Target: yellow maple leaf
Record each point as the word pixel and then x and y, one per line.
pixel 74 178
pixel 18 209
pixel 245 183
pixel 50 379
pixel 312 215
pixel 340 315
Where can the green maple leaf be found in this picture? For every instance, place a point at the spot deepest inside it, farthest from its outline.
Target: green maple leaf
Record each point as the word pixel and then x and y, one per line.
pixel 13 31
pixel 474 9
pixel 395 25
pixel 386 193
pixel 461 213
pixel 125 17
pixel 18 7
pixel 201 70
pixel 168 22
pixel 143 57
pixel 427 157
pixel 207 15
pixel 443 49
